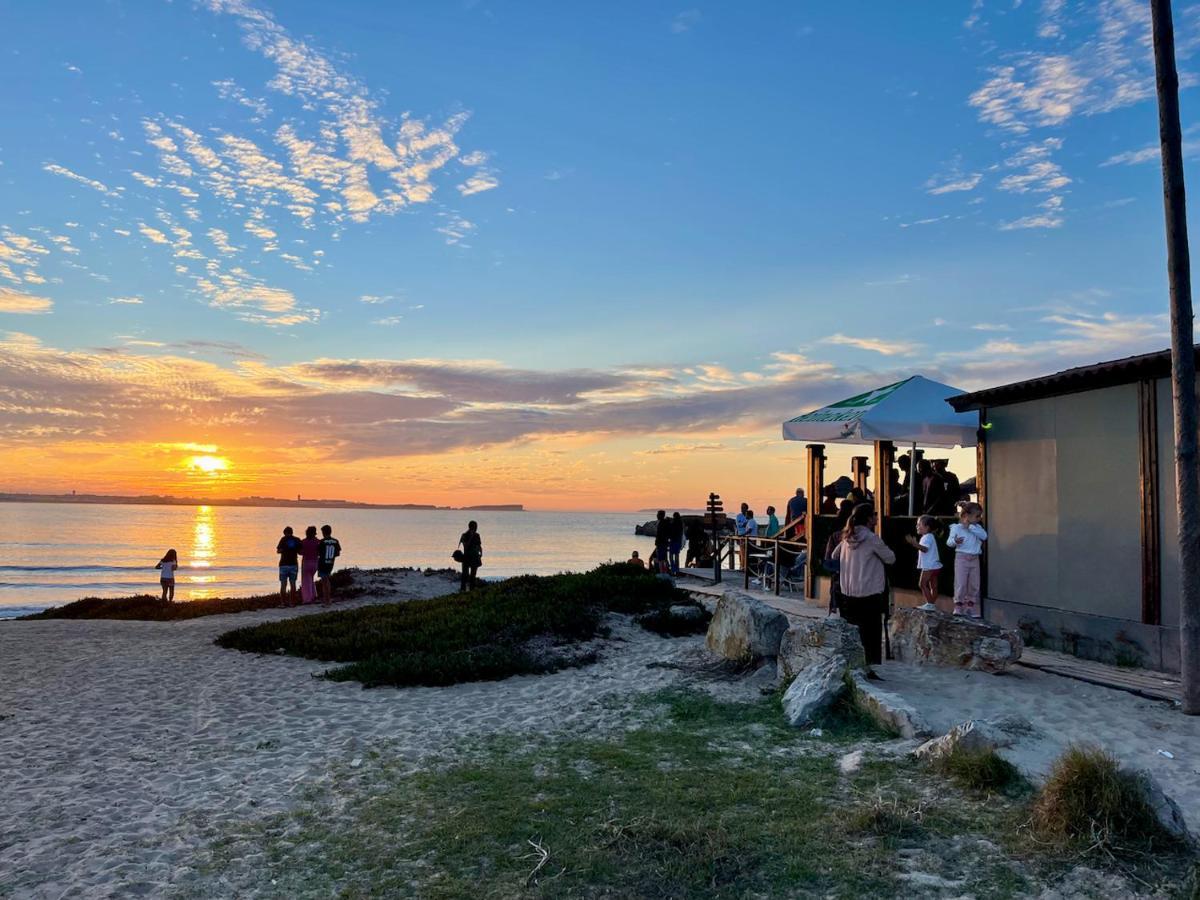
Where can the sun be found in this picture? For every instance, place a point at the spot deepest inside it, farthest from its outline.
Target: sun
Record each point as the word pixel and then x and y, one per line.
pixel 210 465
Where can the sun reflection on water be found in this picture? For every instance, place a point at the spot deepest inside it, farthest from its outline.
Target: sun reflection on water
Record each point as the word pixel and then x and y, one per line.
pixel 204 551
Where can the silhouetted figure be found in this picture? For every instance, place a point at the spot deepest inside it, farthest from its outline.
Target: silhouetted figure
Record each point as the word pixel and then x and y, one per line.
pixel 472 556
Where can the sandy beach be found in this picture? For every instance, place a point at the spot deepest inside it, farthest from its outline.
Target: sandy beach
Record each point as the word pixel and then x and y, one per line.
pixel 124 744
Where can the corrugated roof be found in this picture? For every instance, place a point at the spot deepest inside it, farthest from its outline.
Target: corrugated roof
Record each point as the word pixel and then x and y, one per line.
pixel 1071 381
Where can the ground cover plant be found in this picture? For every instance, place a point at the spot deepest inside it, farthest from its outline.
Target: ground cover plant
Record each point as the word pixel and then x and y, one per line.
pixel 151 607
pixel 524 625
pixel 701 800
pixel 1089 803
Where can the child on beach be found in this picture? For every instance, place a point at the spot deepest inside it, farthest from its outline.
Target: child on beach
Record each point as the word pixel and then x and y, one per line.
pixel 967 537
pixel 168 564
pixel 929 564
pixel 310 549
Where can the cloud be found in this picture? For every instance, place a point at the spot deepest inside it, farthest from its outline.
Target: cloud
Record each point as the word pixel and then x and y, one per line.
pixel 27 304
pixel 928 221
pixel 1049 217
pixel 374 298
pixel 129 301
pixel 875 345
pixel 388 320
pixel 228 89
pixel 55 169
pixel 685 21
pixel 989 326
pixel 953 184
pixel 1039 173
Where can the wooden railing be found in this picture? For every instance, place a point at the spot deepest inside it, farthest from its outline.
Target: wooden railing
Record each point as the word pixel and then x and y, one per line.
pixel 764 549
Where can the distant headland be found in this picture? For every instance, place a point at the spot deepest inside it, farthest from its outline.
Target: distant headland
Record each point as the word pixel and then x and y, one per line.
pixel 159 500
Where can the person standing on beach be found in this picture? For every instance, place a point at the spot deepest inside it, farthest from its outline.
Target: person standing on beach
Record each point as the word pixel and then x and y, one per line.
pixel 288 549
pixel 168 564
pixel 310 552
pixel 472 556
pixel 861 556
pixel 330 550
pixel 662 543
pixel 676 546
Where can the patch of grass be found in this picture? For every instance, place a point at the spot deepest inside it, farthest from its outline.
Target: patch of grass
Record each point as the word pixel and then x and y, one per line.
pixel 713 801
pixel 524 625
pixel 982 770
pixel 1088 803
pixel 152 608
pixel 886 817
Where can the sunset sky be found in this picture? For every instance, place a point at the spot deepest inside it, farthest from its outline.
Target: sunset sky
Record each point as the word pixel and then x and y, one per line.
pixel 572 255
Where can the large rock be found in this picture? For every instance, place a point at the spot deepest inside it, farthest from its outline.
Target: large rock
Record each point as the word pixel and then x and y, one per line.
pixel 973 735
pixel 1166 810
pixel 929 637
pixel 814 689
pixel 890 710
pixel 744 628
pixel 814 641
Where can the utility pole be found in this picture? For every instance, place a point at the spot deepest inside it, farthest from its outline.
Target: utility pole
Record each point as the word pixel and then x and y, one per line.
pixel 1183 358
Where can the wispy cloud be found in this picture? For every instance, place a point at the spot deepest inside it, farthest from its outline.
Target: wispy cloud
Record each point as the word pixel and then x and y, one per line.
pixel 953 183
pixel 127 301
pixel 875 345
pixel 12 301
pixel 56 169
pixel 685 21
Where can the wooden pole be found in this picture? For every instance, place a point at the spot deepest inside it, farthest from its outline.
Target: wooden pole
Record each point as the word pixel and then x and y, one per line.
pixel 816 482
pixel 1183 358
pixel 860 471
pixel 776 567
pixel 885 453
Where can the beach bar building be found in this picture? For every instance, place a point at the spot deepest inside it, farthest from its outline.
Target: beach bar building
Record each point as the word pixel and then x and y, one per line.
pixel 1077 481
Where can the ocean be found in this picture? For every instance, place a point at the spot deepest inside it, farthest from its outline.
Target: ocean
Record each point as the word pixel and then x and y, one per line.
pixel 55 553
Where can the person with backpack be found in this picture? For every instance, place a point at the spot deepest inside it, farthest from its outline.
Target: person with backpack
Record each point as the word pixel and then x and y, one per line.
pixel 471 556
pixel 330 550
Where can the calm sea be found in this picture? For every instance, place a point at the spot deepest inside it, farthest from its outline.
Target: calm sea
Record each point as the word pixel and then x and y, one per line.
pixel 56 553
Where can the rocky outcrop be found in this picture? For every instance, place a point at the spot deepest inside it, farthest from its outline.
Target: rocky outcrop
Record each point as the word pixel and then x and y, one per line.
pixel 974 735
pixel 891 711
pixel 1166 810
pixel 813 641
pixel 933 638
pixel 814 689
pixel 745 629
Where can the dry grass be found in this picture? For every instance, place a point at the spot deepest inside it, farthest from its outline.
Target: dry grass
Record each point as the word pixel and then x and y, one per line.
pixel 1088 803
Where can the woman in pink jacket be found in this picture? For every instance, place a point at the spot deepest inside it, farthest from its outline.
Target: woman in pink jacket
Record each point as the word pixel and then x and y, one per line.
pixel 862 554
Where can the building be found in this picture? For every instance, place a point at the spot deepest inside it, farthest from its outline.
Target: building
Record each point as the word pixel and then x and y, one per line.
pixel 1078 483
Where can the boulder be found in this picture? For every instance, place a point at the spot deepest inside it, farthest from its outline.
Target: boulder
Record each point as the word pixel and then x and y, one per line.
pixel 744 628
pixel 933 638
pixel 974 734
pixel 812 641
pixel 890 710
pixel 814 689
pixel 688 612
pixel 1166 810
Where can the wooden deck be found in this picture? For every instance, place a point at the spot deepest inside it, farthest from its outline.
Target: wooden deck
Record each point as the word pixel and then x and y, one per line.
pixel 1142 682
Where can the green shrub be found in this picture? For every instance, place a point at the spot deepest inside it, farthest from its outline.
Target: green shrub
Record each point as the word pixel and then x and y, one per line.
pixel 1089 803
pixel 152 608
pixel 483 635
pixel 979 770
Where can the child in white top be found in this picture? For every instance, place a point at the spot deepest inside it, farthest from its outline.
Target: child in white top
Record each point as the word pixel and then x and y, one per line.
pixel 929 564
pixel 169 563
pixel 967 537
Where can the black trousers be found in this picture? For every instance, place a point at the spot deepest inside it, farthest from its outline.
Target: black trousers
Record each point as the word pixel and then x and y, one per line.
pixel 867 614
pixel 468 575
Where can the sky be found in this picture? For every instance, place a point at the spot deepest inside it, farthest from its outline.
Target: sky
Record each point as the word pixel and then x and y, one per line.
pixel 571 255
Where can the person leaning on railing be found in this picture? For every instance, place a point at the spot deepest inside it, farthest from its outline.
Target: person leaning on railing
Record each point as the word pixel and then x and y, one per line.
pixel 861 556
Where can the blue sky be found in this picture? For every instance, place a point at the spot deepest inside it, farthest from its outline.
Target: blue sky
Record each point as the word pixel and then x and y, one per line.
pixel 743 209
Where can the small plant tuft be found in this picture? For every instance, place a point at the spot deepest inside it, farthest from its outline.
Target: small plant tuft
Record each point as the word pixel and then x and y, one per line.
pixel 1088 803
pixel 982 770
